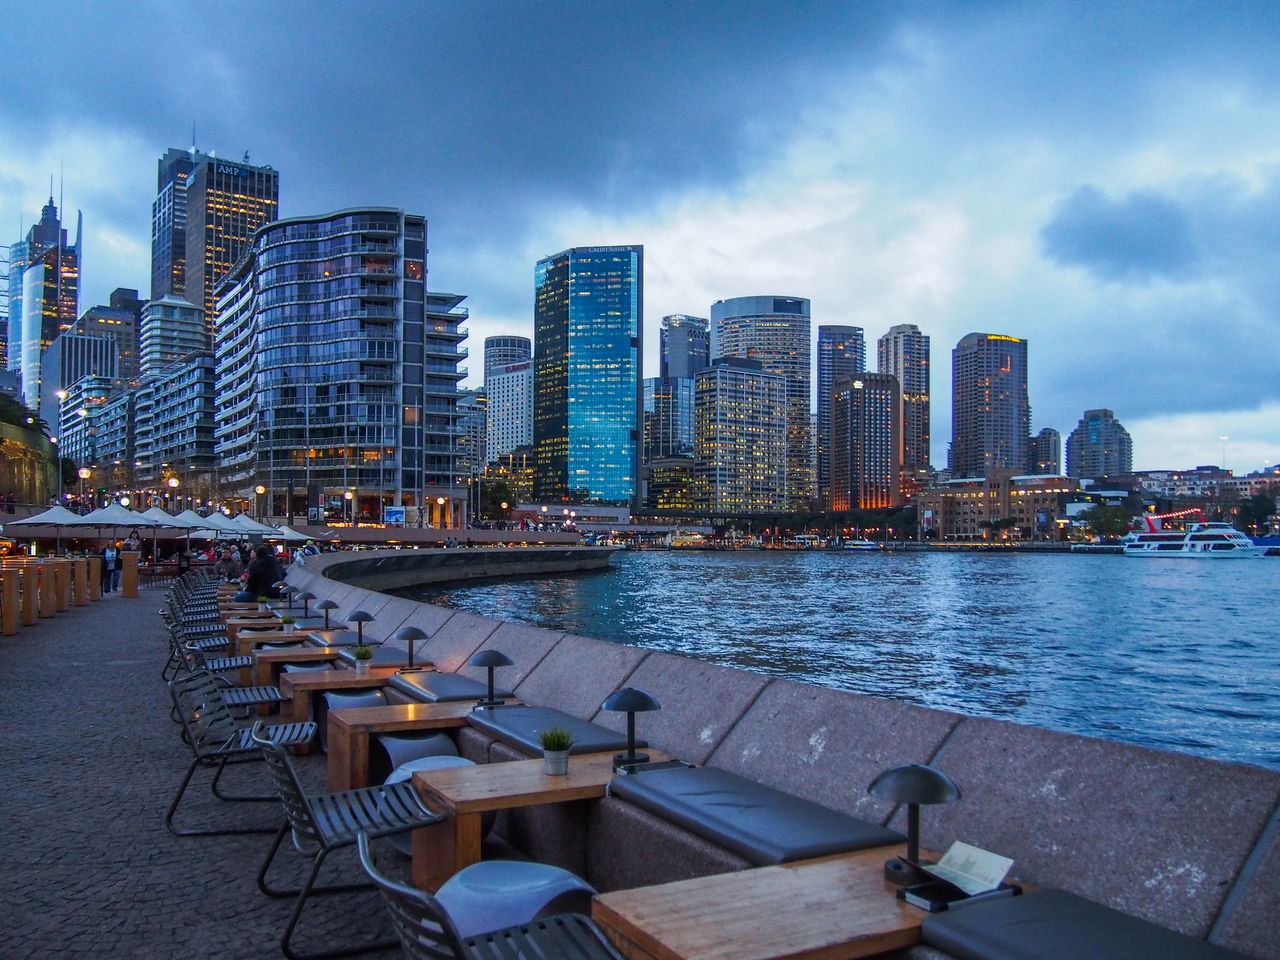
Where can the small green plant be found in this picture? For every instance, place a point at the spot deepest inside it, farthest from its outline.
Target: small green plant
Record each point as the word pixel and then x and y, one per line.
pixel 556 739
pixel 288 621
pixel 362 652
pixel 263 598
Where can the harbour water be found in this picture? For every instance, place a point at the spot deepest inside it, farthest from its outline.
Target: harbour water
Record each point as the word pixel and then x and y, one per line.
pixel 1178 654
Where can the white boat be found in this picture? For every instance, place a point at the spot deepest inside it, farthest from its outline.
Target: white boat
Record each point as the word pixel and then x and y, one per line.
pixel 1216 540
pixel 861 545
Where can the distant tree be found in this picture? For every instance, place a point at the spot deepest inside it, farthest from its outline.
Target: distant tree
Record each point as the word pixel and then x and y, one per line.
pixel 1253 511
pixel 1107 522
pixel 15 412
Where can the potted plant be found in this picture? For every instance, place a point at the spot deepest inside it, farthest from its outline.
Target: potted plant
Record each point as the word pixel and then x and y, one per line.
pixel 556 742
pixel 364 656
pixel 263 605
pixel 287 621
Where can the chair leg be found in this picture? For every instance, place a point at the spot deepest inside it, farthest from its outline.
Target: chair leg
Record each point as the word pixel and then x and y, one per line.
pixel 308 888
pixel 282 892
pixel 177 799
pixel 237 797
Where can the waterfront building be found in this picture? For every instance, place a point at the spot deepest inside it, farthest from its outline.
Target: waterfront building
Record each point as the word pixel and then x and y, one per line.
pixel 842 354
pixel 775 332
pixel 1044 452
pixel 337 371
pixel 4 307
pixel 515 469
pixel 473 409
pixel 510 410
pixel 990 411
pixel 503 351
pixel 226 201
pixel 1000 506
pixel 29 465
pixel 673 487
pixel 588 310
pixel 171 329
pixel 903 352
pixel 174 418
pixel 71 356
pixel 741 420
pixel 684 343
pixel 1099 446
pixel 668 418
pixel 115 439
pixel 78 420
pixel 866 443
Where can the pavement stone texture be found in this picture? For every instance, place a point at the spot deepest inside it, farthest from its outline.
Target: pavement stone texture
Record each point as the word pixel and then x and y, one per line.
pixel 89 760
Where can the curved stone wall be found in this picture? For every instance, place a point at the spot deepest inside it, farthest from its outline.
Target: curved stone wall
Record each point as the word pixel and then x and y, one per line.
pixel 393 569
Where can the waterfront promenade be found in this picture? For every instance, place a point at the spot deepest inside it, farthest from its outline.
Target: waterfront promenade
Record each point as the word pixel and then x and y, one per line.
pixel 90 761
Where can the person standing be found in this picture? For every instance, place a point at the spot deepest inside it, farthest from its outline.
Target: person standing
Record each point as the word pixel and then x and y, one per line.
pixel 118 570
pixel 110 564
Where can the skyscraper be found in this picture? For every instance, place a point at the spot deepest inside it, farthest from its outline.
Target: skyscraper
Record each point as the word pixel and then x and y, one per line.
pixel 500 352
pixel 510 409
pixel 1099 446
pixel 866 442
pixel 740 445
pixel 842 353
pixel 44 287
pixel 903 353
pixel 990 412
pixel 169 223
pixel 668 417
pixel 1044 453
pixel 685 346
pixel 4 307
pixel 172 328
pixel 226 201
pixel 588 309
pixel 774 331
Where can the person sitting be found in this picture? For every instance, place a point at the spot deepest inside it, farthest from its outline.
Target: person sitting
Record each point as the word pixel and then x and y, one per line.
pixel 228 567
pixel 264 572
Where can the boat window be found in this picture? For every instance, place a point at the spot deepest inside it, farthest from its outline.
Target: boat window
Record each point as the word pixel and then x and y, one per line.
pixel 1169 546
pixel 1224 546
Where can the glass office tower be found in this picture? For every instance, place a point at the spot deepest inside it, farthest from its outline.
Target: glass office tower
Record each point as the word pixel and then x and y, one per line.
pixel 990 411
pixel 842 353
pixel 588 305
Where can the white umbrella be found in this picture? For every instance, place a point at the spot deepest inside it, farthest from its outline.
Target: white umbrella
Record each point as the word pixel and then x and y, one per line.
pixel 193 521
pixel 115 515
pixel 56 516
pixel 222 524
pixel 249 525
pixel 289 535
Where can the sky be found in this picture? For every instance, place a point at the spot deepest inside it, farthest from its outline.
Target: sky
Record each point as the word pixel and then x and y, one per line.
pixel 1102 179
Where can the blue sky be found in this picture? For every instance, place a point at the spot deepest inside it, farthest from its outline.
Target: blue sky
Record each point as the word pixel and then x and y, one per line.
pixel 1103 179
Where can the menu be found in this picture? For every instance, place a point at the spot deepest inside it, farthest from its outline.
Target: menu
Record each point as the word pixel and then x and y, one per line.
pixel 970 868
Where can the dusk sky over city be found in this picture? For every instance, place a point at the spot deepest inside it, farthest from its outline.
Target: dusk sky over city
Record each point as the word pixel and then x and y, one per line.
pixel 1101 179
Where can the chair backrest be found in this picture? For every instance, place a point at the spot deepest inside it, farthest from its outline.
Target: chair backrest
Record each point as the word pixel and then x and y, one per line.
pixel 205 716
pixel 294 799
pixel 423 926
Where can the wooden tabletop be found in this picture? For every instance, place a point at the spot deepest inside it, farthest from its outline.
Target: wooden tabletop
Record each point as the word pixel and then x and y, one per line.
pixel 403 716
pixel 834 908
pixel 291 684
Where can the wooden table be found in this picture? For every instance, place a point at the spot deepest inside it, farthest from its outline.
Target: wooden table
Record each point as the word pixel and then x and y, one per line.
pixel 442 849
pixel 300 686
pixel 350 730
pixel 833 908
pixel 245 643
pixel 267 662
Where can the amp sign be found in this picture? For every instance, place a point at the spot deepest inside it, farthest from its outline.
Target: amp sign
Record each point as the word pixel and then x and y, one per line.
pixel 232 170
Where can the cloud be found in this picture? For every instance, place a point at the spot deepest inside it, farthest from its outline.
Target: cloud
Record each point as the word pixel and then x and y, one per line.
pixel 1189 439
pixel 1140 238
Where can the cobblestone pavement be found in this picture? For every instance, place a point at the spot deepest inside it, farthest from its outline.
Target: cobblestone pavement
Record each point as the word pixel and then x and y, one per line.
pixel 89 760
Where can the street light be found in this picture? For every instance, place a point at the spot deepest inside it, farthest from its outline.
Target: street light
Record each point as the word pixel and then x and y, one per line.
pixel 351 513
pixel 84 473
pixel 260 490
pixel 444 525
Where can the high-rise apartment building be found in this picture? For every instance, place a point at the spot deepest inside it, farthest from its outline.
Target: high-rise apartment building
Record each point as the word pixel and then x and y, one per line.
pixel 502 351
pixel 1044 453
pixel 510 410
pixel 473 408
pixel 119 322
pixel 866 442
pixel 903 353
pixel 588 309
pixel 741 414
pixel 72 356
pixel 337 371
pixel 1099 446
pixel 174 423
pixel 775 331
pixel 684 343
pixel 842 353
pixel 226 201
pixel 990 411
pixel 172 328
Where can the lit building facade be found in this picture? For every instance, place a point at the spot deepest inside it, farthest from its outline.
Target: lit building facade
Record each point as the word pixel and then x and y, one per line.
pixel 842 354
pixel 44 290
pixel 473 408
pixel 337 371
pixel 120 322
pixel 866 442
pixel 1044 452
pixel 4 307
pixel 684 343
pixel 169 223
pixel 990 410
pixel 668 418
pixel 515 469
pixel 172 329
pixel 775 332
pixel 588 305
pixel 510 409
pixel 740 445
pixel 1001 506
pixel 1099 446
pixel 79 419
pixel 502 351
pixel 70 357
pixel 174 417
pixel 903 353
pixel 673 486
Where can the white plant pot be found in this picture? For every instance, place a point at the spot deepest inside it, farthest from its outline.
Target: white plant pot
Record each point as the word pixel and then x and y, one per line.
pixel 288 627
pixel 264 608
pixel 555 763
pixel 362 666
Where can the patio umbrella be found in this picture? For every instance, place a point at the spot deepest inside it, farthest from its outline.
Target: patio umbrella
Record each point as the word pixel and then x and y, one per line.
pixel 247 524
pixel 222 524
pixel 57 517
pixel 289 535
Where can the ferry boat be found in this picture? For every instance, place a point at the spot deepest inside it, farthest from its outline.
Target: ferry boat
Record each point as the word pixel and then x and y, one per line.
pixel 1217 540
pixel 866 545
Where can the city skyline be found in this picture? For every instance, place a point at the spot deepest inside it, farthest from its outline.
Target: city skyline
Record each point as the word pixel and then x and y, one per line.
pixel 1135 197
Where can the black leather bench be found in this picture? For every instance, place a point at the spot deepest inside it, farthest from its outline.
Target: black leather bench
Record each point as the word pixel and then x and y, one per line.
pixel 763 825
pixel 1056 925
pixel 433 687
pixel 382 656
pixel 520 726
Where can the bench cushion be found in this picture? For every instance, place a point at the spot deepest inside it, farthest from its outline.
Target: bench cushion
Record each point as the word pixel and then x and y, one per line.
pixel 520 726
pixel 759 823
pixel 433 687
pixel 383 656
pixel 1056 925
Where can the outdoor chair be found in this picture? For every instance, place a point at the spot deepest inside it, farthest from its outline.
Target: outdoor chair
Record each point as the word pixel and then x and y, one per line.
pixel 324 822
pixel 429 928
pixel 236 696
pixel 215 740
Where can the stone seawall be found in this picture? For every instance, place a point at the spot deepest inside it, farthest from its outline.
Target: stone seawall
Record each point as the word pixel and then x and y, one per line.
pixel 393 569
pixel 1189 843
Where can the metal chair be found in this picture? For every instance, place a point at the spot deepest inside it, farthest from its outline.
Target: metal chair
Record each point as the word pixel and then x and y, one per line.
pixel 428 932
pixel 322 823
pixel 234 696
pixel 215 740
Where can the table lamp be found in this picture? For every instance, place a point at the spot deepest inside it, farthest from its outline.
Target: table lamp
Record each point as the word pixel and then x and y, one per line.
pixel 912 784
pixel 630 701
pixel 359 618
pixel 306 596
pixel 326 606
pixel 410 636
pixel 490 660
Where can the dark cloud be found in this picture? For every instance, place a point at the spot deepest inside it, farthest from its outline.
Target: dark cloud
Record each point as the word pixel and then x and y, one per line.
pixel 1142 237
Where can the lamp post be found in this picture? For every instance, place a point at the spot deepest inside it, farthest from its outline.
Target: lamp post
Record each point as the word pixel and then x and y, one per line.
pixel 410 636
pixel 444 523
pixel 349 497
pixel 359 618
pixel 490 660
pixel 630 701
pixel 326 606
pixel 260 490
pixel 84 473
pixel 912 784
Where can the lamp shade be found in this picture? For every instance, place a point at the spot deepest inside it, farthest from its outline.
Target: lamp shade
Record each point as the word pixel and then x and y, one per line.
pixel 359 616
pixel 914 783
pixel 288 588
pixel 326 605
pixel 489 658
pixel 630 700
pixel 410 634
pixel 304 595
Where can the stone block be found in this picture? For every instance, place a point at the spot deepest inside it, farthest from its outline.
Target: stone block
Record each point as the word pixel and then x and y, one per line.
pixel 827 745
pixel 700 704
pixel 1252 923
pixel 526 645
pixel 474 745
pixel 1152 833
pixel 392 616
pixel 553 833
pixel 456 639
pixel 578 674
